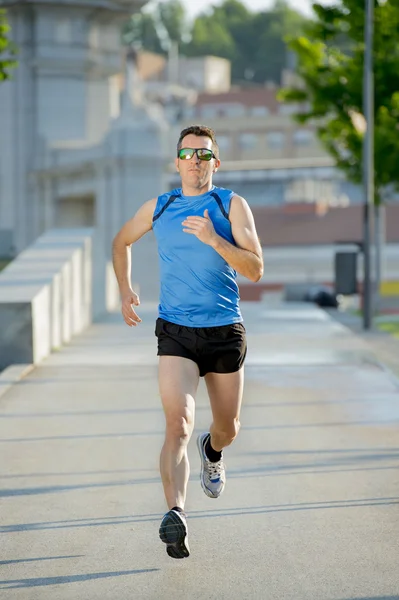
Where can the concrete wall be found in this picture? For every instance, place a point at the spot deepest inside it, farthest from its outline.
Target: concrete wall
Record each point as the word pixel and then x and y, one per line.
pixel 52 291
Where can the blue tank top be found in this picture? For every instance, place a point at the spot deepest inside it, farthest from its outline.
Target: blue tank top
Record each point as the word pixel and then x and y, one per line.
pixel 198 287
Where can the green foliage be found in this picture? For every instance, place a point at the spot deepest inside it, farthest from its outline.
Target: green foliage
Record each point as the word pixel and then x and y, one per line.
pixel 269 56
pixel 173 16
pixel 151 31
pixel 253 42
pixel 330 63
pixel 209 37
pixel 391 327
pixel 140 31
pixel 7 48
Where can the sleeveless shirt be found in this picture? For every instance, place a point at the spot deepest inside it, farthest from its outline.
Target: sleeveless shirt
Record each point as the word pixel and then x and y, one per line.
pixel 198 288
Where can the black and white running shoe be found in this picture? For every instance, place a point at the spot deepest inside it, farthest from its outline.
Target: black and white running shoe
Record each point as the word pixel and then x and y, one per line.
pixel 173 532
pixel 212 474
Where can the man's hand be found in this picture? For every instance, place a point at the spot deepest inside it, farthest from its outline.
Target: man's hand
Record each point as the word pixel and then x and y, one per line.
pixel 129 315
pixel 202 227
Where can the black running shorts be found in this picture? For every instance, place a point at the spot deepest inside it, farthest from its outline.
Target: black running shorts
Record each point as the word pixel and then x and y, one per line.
pixel 214 349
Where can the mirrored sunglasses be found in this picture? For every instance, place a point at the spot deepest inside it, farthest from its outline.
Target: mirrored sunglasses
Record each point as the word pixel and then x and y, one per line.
pixel 202 153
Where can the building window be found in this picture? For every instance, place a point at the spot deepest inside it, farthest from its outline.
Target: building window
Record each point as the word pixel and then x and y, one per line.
pixel 224 142
pixel 275 140
pixel 94 37
pixel 234 110
pixel 302 137
pixel 209 111
pixel 259 111
pixel 110 37
pixel 248 141
pixel 63 31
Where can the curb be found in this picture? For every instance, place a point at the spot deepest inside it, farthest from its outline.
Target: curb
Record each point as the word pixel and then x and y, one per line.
pixel 12 375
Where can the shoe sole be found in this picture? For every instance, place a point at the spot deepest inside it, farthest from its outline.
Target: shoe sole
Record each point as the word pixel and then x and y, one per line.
pixel 173 533
pixel 200 450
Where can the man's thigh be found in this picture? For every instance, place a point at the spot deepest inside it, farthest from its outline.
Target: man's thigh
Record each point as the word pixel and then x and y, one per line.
pixel 178 383
pixel 225 394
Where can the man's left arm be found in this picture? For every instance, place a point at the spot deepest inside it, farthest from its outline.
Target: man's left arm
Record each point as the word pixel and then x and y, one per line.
pixel 246 257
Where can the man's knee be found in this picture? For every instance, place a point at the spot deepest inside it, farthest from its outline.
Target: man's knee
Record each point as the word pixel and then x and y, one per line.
pixel 179 425
pixel 227 432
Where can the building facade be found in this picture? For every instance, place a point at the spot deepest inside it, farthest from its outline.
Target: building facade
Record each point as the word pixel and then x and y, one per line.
pixel 64 161
pixel 86 141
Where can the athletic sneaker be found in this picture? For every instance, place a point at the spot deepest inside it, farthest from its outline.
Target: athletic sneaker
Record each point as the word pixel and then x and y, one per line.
pixel 212 475
pixel 173 532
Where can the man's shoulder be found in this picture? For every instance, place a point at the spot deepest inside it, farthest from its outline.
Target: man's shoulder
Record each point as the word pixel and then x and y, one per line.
pixel 223 192
pixel 166 195
pixel 229 195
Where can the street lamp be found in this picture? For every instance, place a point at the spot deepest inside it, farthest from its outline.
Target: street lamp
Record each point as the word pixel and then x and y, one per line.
pixel 368 161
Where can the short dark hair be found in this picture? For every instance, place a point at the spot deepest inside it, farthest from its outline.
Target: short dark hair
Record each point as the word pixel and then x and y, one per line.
pixel 200 131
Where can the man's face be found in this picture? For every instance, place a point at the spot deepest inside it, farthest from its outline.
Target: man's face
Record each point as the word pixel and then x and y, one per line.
pixel 195 172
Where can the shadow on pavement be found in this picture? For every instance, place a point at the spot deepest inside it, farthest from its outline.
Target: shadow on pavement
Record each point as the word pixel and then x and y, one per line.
pixel 159 410
pixel 53 489
pixel 337 464
pixel 25 560
pixel 204 514
pixel 41 581
pixel 47 438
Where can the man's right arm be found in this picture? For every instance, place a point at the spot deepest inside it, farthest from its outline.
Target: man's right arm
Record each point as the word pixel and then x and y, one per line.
pixel 130 233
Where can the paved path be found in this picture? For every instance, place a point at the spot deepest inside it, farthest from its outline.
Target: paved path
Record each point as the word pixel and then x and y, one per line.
pixel 311 506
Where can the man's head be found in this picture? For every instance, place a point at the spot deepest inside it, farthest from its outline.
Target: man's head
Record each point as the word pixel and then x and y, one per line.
pixel 197 156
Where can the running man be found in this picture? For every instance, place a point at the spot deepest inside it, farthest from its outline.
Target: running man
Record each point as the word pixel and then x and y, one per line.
pixel 205 234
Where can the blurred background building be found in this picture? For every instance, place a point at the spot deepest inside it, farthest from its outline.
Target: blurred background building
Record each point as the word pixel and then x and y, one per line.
pixel 66 159
pixel 89 130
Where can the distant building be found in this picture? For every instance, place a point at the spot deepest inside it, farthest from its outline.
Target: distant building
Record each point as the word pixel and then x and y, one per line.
pixel 73 154
pixel 266 156
pixel 70 153
pixel 251 124
pixel 205 74
pixel 202 74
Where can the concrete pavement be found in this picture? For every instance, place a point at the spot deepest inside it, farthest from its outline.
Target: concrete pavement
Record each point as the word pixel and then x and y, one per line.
pixel 311 506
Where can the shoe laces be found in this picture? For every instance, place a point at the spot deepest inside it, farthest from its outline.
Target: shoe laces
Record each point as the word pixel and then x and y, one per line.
pixel 215 469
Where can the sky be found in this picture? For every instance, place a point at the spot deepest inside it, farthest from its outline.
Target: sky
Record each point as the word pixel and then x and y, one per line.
pixel 194 7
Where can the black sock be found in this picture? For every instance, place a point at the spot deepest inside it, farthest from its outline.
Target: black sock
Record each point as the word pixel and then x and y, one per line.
pixel 178 509
pixel 212 455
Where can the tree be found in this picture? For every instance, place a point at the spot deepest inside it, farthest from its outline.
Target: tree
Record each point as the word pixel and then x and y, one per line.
pixel 153 30
pixel 332 75
pixel 174 18
pixel 210 37
pixel 269 57
pixel 7 48
pixel 253 42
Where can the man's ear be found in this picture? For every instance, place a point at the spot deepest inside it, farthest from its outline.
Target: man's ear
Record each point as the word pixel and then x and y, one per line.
pixel 177 164
pixel 217 165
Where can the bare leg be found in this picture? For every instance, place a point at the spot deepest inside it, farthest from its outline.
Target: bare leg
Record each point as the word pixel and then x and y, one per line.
pixel 225 394
pixel 178 383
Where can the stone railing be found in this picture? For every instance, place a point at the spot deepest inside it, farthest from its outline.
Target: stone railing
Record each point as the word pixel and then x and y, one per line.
pixel 52 291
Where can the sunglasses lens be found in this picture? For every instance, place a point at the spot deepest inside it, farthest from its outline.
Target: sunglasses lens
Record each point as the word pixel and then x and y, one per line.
pixel 186 153
pixel 204 154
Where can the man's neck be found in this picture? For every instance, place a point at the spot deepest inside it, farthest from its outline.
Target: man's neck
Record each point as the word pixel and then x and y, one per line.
pixel 194 191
